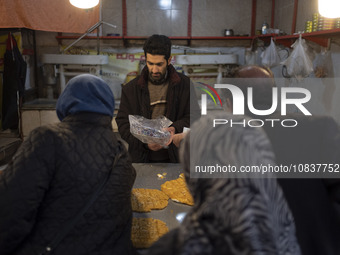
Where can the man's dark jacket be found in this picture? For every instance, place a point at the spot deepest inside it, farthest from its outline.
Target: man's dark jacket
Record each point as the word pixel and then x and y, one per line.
pixel 135 100
pixel 53 175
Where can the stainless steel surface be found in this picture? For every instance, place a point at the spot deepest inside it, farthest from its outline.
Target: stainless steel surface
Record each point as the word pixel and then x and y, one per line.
pixel 75 59
pixel 147 178
pixel 206 59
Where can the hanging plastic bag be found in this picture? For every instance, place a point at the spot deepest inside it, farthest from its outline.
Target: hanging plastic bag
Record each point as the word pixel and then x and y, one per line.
pixel 269 56
pixel 323 65
pixel 299 64
pixel 250 56
pixel 150 131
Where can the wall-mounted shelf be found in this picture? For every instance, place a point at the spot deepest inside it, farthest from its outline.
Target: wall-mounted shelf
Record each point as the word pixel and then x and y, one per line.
pixel 323 38
pixel 230 41
pixel 320 37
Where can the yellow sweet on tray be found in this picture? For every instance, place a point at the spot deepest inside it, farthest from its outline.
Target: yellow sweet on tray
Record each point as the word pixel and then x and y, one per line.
pixel 146 231
pixel 145 200
pixel 178 191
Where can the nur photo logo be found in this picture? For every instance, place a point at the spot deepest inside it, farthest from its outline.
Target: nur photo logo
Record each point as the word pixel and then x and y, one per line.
pixel 204 97
pixel 281 98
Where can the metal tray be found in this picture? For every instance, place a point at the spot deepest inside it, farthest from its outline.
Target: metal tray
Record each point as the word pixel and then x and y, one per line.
pixel 147 178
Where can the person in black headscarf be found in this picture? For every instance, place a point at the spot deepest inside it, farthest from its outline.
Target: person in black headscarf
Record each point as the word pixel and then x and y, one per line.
pixel 57 170
pixel 235 213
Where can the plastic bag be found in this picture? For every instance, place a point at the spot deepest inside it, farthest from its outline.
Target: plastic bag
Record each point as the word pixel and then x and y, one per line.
pixel 250 57
pixel 323 65
pixel 150 131
pixel 299 64
pixel 270 57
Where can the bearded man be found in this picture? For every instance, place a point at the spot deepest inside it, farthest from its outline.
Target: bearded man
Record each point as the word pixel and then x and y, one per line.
pixel 158 91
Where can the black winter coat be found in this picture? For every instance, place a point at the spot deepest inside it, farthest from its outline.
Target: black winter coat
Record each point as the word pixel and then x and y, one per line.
pixel 50 179
pixel 135 100
pixel 313 201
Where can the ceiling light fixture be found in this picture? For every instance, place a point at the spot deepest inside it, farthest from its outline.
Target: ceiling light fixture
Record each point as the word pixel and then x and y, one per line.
pixel 84 4
pixel 329 8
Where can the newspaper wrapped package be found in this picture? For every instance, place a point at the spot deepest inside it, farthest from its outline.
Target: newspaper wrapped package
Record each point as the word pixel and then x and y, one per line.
pixel 150 131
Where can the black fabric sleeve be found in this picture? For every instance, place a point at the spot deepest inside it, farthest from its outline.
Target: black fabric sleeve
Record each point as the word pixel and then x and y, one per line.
pixel 23 185
pixel 128 106
pixel 189 103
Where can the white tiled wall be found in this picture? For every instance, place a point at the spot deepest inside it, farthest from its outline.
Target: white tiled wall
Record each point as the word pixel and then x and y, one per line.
pixel 170 17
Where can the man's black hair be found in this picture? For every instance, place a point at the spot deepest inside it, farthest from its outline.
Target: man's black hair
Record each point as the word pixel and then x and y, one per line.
pixel 158 45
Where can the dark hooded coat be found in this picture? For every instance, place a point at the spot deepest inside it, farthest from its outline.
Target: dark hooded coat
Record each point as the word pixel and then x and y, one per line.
pixel 56 171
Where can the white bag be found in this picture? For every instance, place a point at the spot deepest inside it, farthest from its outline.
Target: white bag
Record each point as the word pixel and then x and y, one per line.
pixel 299 64
pixel 150 131
pixel 270 57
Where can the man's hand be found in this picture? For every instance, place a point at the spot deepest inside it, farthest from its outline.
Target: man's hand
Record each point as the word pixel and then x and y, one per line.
pixel 172 133
pixel 154 146
pixel 177 138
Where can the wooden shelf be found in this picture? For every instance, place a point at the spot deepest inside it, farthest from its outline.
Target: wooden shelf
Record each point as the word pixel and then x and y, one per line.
pixel 320 37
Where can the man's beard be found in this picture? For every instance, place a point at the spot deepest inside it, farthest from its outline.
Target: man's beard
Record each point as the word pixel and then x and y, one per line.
pixel 160 80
